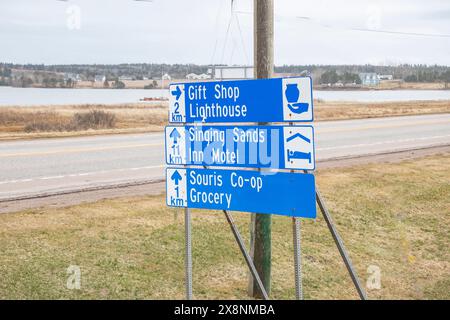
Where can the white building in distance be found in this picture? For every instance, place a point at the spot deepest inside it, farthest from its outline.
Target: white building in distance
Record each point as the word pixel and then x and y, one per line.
pixel 100 78
pixel 385 77
pixel 194 76
pixel 369 79
pixel 231 72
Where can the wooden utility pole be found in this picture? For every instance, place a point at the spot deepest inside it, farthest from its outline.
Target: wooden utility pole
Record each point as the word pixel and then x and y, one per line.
pixel 261 224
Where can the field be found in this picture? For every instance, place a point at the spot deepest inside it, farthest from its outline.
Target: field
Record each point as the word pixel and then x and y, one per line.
pixel 384 85
pixel 353 110
pixel 18 122
pixel 129 84
pixel 396 84
pixel 393 217
pixel 54 121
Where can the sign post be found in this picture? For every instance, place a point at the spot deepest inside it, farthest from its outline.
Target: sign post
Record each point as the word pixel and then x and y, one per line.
pixel 188 253
pixel 275 148
pixel 262 146
pixel 297 258
pixel 261 227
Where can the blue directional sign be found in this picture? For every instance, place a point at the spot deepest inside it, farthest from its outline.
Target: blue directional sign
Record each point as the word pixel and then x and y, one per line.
pixel 240 190
pixel 262 100
pixel 276 147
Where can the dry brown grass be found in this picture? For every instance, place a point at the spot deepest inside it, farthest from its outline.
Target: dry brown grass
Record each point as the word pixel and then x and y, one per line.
pixel 129 84
pixel 384 84
pixel 398 84
pixel 60 120
pixel 53 122
pixel 136 118
pixel 355 110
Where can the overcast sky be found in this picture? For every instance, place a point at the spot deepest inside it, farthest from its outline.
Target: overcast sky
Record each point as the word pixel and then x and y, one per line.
pixel 195 31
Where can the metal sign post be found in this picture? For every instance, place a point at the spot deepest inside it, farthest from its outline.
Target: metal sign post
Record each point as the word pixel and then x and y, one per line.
pixel 246 255
pixel 188 257
pixel 297 258
pixel 260 101
pixel 340 245
pixel 272 147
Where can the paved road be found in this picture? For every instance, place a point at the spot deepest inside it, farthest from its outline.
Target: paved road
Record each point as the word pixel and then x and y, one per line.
pixel 55 165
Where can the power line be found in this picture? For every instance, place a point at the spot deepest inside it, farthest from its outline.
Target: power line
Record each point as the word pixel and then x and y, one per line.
pixel 309 19
pixel 233 16
pixel 315 21
pixel 242 39
pixel 215 31
pixel 226 39
pixel 403 33
pixel 227 36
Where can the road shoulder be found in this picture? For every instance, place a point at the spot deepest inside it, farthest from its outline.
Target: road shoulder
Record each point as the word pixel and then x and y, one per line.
pixel 158 186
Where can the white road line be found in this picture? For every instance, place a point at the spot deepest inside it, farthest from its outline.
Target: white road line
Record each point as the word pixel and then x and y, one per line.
pixel 79 174
pixel 52 177
pixel 160 166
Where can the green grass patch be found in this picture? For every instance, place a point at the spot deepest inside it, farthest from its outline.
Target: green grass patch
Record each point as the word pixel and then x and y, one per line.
pixel 393 216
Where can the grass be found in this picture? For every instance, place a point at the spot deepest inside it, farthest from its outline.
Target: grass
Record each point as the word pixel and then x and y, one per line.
pixel 352 110
pixel 51 121
pixel 384 85
pixel 398 84
pixel 58 121
pixel 394 216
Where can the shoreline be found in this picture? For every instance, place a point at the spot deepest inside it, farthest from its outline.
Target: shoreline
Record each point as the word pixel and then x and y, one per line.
pixel 316 88
pixel 388 85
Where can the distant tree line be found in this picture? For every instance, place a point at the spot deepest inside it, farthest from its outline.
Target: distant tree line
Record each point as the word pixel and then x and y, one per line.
pixel 332 77
pixel 136 71
pixel 5 76
pixel 152 85
pixel 50 75
pixel 406 72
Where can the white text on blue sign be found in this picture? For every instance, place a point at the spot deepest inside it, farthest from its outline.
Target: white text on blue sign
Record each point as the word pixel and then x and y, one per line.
pixel 275 147
pixel 262 100
pixel 241 190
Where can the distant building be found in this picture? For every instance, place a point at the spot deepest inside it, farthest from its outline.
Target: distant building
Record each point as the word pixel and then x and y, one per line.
pixel 194 76
pixel 125 78
pixel 231 72
pixel 166 77
pixel 385 77
pixel 204 76
pixel 100 78
pixel 369 79
pixel 72 76
pixel 191 76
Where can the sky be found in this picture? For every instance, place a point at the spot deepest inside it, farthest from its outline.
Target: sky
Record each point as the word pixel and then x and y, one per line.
pixel 381 32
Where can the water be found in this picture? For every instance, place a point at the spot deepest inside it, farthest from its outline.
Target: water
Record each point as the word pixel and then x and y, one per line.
pixel 37 96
